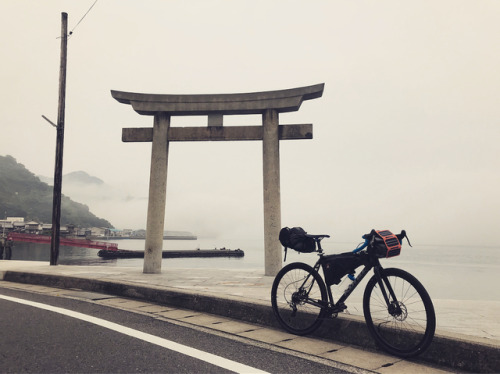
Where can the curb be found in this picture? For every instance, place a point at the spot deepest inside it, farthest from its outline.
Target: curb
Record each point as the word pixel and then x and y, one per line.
pixel 453 351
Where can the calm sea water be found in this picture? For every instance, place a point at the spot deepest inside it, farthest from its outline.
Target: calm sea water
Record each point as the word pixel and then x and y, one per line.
pixel 447 272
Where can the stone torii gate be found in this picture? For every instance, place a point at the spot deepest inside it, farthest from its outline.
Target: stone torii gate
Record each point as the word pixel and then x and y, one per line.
pixel 269 104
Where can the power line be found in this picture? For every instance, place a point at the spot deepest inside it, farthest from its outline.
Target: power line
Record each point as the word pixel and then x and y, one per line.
pixel 81 19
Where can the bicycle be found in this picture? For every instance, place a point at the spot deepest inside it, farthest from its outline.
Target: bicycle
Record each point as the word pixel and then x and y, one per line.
pixel 398 310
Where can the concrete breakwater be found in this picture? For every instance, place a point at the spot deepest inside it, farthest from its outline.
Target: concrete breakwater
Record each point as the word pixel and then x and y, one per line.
pixel 142 237
pixel 124 253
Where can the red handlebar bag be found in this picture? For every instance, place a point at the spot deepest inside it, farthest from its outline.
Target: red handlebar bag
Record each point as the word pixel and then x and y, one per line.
pixel 386 244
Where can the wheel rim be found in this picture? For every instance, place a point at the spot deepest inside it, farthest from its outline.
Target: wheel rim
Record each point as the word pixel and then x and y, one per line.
pixel 291 300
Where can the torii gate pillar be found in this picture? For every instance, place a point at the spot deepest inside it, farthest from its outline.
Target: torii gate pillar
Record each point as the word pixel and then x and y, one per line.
pixel 272 195
pixel 269 104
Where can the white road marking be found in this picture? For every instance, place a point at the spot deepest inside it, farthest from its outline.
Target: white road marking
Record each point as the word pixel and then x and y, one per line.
pixel 188 351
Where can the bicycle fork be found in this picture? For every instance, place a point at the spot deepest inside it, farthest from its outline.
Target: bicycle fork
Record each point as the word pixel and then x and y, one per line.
pixel 393 307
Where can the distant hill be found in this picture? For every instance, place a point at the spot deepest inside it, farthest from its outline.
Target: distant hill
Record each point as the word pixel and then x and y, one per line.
pixel 82 177
pixel 75 177
pixel 22 194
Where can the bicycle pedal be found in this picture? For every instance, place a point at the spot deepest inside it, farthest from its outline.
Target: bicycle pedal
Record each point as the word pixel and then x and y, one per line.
pixel 339 308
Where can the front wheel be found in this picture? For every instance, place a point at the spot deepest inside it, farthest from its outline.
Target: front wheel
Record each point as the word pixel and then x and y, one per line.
pixel 404 326
pixel 299 298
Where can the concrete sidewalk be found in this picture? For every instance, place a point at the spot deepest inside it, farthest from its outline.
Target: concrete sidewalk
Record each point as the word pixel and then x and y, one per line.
pixel 242 295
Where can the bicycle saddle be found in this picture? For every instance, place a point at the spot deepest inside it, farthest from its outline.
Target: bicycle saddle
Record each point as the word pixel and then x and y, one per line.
pixel 317 236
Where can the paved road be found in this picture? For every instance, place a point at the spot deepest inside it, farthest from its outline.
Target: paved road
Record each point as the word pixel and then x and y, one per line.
pixel 54 334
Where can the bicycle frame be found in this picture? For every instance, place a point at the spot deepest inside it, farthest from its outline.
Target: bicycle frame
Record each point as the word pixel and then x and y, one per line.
pixel 370 262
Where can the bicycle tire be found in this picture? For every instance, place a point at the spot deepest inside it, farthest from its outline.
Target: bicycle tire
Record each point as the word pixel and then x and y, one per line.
pixel 406 332
pixel 290 301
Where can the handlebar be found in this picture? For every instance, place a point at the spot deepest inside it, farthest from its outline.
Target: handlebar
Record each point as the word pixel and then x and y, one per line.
pixel 362 246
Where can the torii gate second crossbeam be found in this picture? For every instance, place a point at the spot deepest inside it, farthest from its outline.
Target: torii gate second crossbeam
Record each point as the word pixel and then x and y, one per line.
pixel 269 104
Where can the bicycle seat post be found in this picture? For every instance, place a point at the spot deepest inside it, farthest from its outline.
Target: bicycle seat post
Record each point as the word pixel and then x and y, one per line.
pixel 318 241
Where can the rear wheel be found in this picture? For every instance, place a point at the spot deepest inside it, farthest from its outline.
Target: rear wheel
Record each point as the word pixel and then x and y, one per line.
pixel 404 327
pixel 299 298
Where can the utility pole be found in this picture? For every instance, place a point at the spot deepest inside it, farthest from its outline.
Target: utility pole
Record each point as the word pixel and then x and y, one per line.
pixel 56 205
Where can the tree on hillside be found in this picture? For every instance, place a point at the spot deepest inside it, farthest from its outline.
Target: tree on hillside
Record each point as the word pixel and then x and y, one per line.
pixel 22 194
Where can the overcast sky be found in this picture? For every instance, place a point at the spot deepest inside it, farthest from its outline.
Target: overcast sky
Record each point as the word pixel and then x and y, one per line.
pixel 405 136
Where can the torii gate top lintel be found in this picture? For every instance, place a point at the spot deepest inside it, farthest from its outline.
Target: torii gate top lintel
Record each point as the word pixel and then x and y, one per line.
pixel 288 100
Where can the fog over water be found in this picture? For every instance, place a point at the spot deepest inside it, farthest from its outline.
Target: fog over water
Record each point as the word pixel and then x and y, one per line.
pixel 405 135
